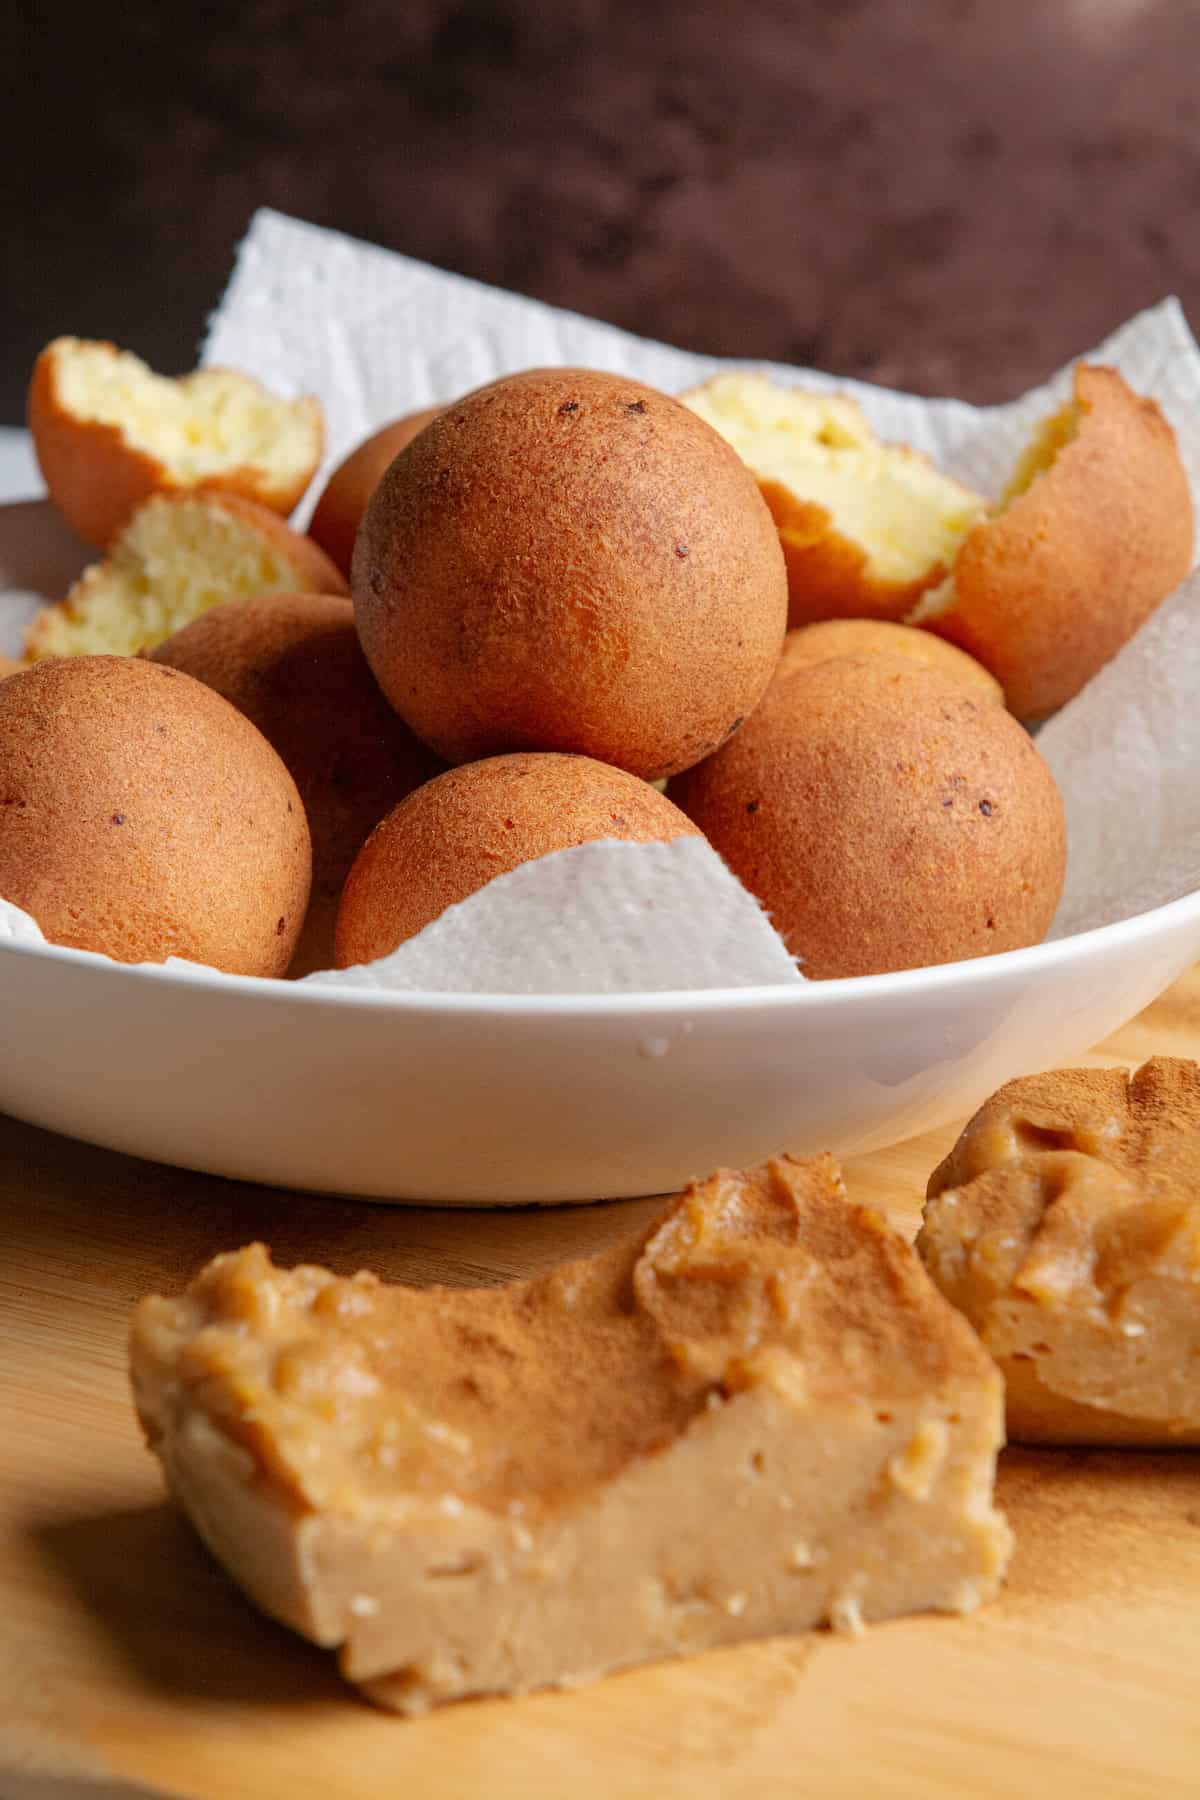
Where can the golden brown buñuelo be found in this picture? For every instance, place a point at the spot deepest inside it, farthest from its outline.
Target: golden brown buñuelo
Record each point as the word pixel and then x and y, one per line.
pixel 144 817
pixel 1047 592
pixel 869 637
pixel 292 664
pixel 97 477
pixel 108 593
pixel 885 817
pixel 568 560
pixel 338 513
pixel 460 831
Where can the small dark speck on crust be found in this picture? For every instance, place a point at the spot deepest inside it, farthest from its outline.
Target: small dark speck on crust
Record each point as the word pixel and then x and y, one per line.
pixel 509 825
pixel 985 807
pixel 376 581
pixel 569 406
pixel 280 928
pixel 118 818
pixel 949 800
pixel 636 406
pixel 736 726
pixel 619 821
pixel 289 806
pixel 681 550
pixel 752 806
pixel 991 924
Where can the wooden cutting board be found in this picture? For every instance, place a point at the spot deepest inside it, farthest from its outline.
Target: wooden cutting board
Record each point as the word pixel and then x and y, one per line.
pixel 130 1665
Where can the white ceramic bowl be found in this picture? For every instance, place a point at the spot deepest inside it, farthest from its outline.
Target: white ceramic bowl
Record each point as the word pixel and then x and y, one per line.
pixel 499 1100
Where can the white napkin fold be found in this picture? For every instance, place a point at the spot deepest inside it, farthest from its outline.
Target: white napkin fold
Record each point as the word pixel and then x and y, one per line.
pixel 600 918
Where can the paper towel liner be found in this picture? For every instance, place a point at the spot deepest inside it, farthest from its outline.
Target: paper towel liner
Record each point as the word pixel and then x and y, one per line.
pixel 606 917
pixel 375 335
pixel 600 918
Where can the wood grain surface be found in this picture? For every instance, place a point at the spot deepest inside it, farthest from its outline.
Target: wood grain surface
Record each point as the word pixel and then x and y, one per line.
pixel 130 1665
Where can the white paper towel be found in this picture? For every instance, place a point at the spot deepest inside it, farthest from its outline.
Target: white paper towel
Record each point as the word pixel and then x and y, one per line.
pixel 606 917
pixel 599 918
pixel 375 335
pixel 1126 754
pixel 16 927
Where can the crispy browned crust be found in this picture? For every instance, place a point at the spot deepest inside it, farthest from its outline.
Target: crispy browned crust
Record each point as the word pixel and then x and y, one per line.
pixel 887 818
pixel 460 831
pixel 570 560
pixel 827 573
pixel 145 818
pixel 1065 1225
pixel 343 501
pixel 884 637
pixel 1048 591
pixel 293 665
pixel 97 479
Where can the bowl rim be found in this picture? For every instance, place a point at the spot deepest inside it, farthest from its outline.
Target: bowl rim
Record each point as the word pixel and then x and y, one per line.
pixel 980 972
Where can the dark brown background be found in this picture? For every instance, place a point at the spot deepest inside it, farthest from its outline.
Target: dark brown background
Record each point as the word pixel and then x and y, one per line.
pixel 952 195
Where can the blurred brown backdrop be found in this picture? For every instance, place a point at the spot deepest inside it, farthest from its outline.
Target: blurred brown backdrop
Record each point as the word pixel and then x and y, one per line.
pixel 949 195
